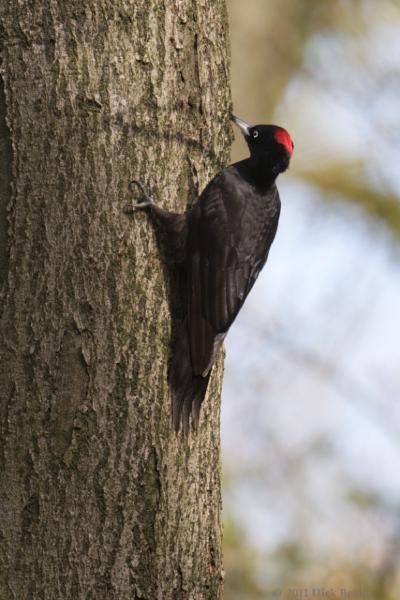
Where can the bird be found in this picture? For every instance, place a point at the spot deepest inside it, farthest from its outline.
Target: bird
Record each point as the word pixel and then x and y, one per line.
pixel 222 243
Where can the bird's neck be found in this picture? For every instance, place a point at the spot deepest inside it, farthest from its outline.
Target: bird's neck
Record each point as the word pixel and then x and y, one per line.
pixel 257 171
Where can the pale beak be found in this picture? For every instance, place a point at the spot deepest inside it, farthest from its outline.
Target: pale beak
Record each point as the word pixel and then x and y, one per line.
pixel 243 126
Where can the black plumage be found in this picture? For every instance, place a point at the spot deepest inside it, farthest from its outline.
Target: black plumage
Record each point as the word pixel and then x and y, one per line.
pixel 222 243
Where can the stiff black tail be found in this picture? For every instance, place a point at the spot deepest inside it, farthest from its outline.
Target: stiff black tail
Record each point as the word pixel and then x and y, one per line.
pixel 187 390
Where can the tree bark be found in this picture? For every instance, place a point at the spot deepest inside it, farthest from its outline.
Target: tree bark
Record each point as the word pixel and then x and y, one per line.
pixel 99 498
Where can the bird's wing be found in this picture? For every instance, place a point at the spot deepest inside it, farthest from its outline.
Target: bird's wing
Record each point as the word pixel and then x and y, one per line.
pixel 227 253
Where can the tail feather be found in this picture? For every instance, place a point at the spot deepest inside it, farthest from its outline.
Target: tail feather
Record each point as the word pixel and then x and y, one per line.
pixel 188 390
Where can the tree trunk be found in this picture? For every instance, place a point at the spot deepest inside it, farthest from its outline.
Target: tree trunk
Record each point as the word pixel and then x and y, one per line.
pixel 99 497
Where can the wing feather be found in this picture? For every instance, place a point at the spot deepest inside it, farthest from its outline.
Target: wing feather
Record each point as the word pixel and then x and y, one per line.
pixel 224 261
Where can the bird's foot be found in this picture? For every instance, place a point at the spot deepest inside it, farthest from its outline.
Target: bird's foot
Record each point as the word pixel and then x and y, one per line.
pixel 147 199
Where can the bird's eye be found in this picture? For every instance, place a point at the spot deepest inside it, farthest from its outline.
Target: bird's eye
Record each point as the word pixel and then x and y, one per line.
pixel 255 134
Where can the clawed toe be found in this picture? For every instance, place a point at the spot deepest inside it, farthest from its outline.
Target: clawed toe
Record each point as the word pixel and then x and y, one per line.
pixel 146 200
pixel 147 197
pixel 139 185
pixel 131 208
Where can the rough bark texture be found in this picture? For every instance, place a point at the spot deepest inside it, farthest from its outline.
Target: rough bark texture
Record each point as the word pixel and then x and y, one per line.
pixel 99 497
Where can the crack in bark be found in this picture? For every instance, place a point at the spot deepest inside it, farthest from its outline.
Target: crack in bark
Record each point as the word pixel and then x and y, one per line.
pixel 5 183
pixel 72 391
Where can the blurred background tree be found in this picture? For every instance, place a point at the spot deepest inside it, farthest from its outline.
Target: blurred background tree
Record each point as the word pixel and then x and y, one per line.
pixel 311 416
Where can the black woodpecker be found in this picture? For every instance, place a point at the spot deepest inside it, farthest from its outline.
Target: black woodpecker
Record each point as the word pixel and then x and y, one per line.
pixel 222 244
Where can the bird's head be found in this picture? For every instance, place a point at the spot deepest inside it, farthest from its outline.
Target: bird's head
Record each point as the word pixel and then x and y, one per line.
pixel 271 147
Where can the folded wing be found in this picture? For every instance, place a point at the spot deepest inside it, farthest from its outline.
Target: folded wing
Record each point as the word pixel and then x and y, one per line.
pixel 231 238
